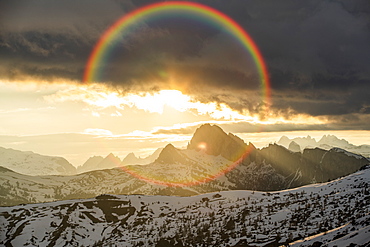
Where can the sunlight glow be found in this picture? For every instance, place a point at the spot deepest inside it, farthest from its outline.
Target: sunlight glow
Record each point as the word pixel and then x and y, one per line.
pixel 99 97
pixel 99 132
pixel 157 101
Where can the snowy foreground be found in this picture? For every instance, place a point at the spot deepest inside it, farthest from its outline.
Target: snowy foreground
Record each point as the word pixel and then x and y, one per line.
pixel 334 214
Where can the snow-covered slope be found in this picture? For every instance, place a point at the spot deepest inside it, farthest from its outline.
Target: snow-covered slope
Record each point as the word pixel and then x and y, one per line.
pixel 34 164
pixel 333 213
pixel 18 188
pixel 350 234
pixel 326 142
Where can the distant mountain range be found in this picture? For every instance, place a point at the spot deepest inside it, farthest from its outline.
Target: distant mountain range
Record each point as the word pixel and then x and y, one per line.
pixel 99 163
pixel 326 142
pixel 228 146
pixel 328 214
pixel 34 164
pixel 30 163
pixel 213 161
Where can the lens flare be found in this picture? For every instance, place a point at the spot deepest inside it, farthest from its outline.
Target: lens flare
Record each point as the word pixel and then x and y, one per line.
pixel 202 146
pixel 124 26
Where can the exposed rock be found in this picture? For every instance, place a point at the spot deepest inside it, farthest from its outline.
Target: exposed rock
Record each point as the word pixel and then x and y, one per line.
pixel 214 141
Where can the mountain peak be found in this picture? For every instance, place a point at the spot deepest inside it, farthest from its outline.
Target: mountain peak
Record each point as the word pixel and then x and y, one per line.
pixel 131 155
pixel 90 164
pixel 109 162
pixel 214 141
pixel 333 140
pixel 293 146
pixel 169 155
pixel 30 163
pixel 110 155
pixel 283 139
pixel 208 138
pixel 129 159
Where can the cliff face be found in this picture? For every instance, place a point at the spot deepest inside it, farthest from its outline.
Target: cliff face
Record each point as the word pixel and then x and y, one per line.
pixel 214 141
pixel 313 165
pixel 274 167
pixel 337 163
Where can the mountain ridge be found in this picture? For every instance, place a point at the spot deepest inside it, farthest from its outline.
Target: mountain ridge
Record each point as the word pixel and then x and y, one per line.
pixel 270 169
pixel 326 142
pixel 218 142
pixel 34 164
pixel 184 172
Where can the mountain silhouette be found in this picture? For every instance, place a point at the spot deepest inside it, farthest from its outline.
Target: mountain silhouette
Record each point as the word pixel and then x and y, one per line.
pixel 213 161
pixel 214 141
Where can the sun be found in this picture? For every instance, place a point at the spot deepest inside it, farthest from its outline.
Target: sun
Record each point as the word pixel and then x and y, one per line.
pixel 175 99
pixel 155 102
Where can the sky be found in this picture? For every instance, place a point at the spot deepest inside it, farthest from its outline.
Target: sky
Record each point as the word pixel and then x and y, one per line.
pixel 165 76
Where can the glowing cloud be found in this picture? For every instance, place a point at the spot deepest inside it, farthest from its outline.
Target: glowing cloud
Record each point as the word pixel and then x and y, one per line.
pixel 100 97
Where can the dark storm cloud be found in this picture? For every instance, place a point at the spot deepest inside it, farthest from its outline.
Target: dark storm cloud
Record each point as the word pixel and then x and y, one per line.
pixel 317 52
pixel 51 39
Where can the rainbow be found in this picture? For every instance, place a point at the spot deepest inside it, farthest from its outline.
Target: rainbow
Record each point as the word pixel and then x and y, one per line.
pixel 122 25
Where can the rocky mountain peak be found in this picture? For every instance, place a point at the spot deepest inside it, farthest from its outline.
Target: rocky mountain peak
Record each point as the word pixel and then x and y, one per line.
pixel 214 141
pixel 333 140
pixel 284 140
pixel 130 158
pixel 90 164
pixel 110 155
pixel 169 155
pixel 131 155
pixel 295 147
pixel 108 162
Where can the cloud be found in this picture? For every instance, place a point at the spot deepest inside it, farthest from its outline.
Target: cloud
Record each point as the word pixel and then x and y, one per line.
pixel 26 109
pixel 317 53
pixel 99 97
pixel 98 132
